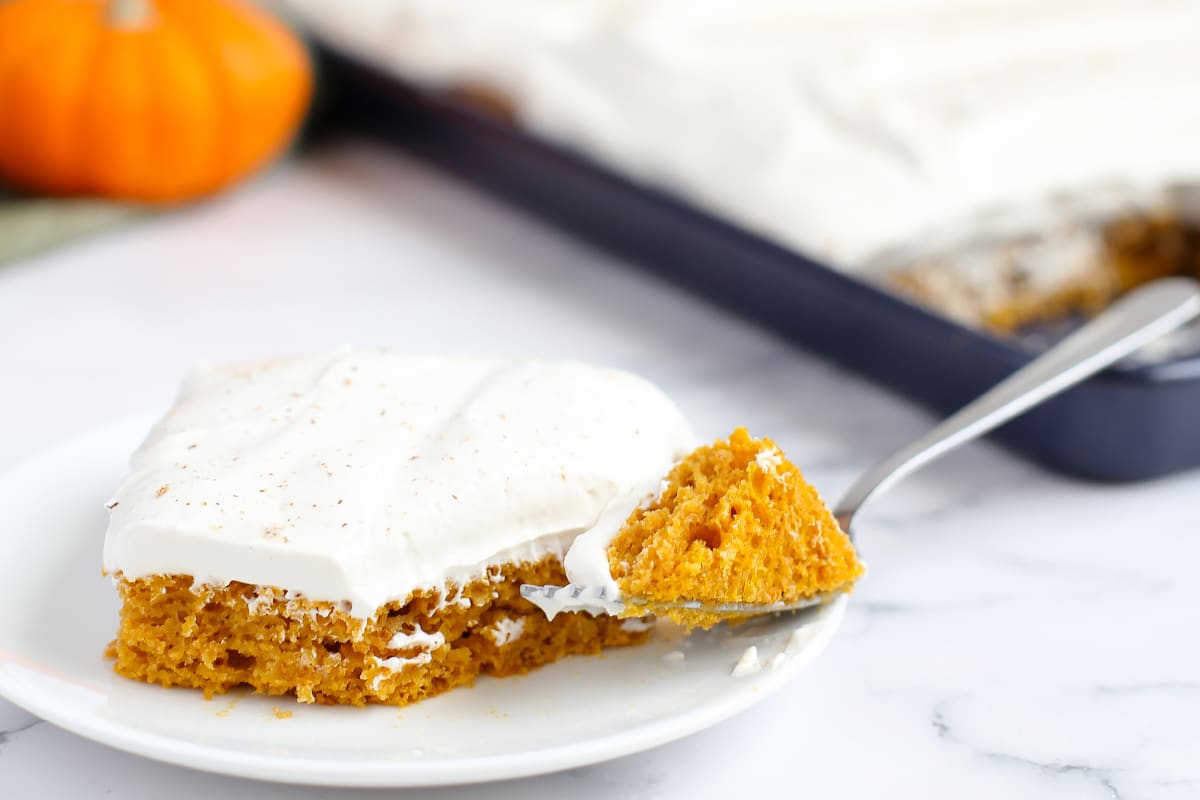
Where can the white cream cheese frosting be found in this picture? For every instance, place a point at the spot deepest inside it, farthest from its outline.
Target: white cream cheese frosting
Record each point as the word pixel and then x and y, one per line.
pixel 359 477
pixel 846 130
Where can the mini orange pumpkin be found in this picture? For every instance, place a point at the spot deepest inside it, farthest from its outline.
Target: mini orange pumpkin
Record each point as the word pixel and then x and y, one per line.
pixel 147 100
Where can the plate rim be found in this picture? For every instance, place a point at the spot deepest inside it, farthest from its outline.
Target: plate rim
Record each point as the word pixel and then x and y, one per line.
pixel 458 771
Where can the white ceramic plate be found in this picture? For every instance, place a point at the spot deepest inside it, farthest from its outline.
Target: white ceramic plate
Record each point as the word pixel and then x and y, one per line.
pixel 57 613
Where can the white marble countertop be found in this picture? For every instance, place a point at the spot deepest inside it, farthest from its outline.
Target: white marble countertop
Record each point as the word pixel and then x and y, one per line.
pixel 1019 634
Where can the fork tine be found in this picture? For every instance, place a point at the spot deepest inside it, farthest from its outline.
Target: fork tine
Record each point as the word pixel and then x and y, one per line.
pixel 576 597
pixel 572 597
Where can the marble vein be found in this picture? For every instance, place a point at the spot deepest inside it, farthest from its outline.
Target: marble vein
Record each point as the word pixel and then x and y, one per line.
pixel 1100 775
pixel 7 736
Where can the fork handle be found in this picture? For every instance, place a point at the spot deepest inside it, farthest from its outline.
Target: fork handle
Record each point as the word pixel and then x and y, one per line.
pixel 1134 320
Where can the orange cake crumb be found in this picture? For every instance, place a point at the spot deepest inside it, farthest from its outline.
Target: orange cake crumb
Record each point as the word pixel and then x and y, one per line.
pixel 737 522
pixel 215 638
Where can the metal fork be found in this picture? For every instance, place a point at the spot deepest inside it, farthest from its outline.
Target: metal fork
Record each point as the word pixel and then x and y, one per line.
pixel 1131 322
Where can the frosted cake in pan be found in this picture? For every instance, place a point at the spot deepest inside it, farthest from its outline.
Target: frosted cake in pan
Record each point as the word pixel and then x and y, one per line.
pixel 998 160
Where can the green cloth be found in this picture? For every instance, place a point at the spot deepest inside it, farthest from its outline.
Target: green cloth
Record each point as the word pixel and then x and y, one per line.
pixel 30 224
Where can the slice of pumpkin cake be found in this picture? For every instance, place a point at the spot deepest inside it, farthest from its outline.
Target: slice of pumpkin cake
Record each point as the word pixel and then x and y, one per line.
pixel 354 527
pixel 735 522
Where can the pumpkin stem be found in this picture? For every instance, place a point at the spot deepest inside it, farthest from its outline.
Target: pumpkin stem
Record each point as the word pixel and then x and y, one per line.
pixel 130 13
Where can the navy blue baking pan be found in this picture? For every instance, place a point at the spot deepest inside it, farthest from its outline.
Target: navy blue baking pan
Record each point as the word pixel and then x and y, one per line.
pixel 1127 424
